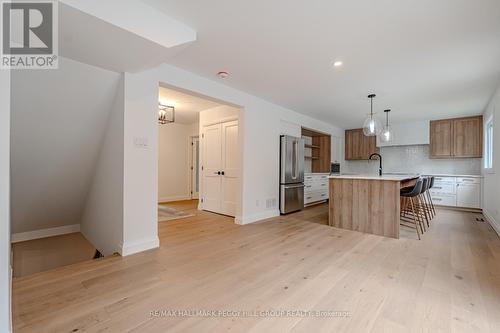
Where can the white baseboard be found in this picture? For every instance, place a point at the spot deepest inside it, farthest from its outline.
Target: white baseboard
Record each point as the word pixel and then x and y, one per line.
pixel 174 198
pixel 139 246
pixel 494 224
pixel 242 220
pixel 43 233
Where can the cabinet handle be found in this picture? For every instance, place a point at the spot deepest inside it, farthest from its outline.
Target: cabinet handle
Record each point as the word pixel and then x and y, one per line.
pixel 437 199
pixel 438 188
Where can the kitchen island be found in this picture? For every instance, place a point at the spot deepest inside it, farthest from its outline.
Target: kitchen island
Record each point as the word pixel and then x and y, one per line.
pixel 367 203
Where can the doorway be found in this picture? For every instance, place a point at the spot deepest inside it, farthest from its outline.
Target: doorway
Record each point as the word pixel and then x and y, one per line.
pixel 204 136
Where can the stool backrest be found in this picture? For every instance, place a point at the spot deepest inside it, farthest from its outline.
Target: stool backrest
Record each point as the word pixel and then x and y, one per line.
pixel 417 189
pixel 425 184
pixel 432 182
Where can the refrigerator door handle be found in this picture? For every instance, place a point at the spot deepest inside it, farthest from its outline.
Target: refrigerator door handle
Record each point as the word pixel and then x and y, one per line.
pixel 293 186
pixel 294 159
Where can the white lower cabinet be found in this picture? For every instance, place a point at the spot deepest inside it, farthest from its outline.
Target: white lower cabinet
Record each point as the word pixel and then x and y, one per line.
pixel 463 192
pixel 469 195
pixel 315 188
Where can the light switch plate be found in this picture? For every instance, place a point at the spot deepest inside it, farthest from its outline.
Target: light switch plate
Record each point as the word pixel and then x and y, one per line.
pixel 141 142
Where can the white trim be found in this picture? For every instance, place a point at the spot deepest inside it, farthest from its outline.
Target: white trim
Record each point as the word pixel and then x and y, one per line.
pixel 494 224
pixel 174 198
pixel 43 233
pixel 139 246
pixel 221 120
pixel 242 220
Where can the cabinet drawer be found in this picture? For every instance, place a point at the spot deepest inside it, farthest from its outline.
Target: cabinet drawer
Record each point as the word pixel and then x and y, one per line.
pixel 444 200
pixel 316 186
pixel 468 180
pixel 314 197
pixel 444 180
pixel 443 188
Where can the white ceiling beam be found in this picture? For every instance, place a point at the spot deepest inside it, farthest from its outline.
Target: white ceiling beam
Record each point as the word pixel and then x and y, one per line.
pixel 138 18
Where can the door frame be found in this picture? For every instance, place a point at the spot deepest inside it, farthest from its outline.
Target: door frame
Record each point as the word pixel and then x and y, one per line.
pixel 241 123
pixel 192 164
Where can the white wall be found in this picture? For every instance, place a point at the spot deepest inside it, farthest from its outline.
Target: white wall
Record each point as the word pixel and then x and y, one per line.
pixel 491 188
pixel 174 160
pixel 140 174
pixel 102 219
pixel 5 269
pixel 58 123
pixel 260 122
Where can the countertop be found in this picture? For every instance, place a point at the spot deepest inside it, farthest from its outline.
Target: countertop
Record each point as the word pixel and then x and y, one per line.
pixel 389 177
pixel 450 175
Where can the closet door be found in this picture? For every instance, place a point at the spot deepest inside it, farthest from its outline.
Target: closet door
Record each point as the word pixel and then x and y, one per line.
pixel 212 168
pixel 230 168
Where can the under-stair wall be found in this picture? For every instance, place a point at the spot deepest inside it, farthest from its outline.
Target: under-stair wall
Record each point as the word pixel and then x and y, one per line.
pixel 59 121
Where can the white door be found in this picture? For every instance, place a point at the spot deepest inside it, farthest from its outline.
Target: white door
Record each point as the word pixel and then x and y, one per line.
pixel 230 168
pixel 212 167
pixel 221 168
pixel 195 168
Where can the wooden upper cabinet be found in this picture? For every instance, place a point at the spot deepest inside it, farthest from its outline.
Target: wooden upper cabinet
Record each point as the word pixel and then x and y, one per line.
pixel 358 146
pixel 468 137
pixel 441 132
pixel 457 138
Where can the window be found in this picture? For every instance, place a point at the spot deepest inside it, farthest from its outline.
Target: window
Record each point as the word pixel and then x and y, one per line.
pixel 488 152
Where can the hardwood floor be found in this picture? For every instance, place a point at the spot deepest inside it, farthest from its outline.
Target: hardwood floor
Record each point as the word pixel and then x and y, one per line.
pixel 448 281
pixel 40 255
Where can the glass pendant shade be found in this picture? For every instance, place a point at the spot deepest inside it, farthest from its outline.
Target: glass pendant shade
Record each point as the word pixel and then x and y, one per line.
pixel 372 126
pixel 387 134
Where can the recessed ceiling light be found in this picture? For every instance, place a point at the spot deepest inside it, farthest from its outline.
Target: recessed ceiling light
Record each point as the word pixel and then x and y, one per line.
pixel 223 75
pixel 337 63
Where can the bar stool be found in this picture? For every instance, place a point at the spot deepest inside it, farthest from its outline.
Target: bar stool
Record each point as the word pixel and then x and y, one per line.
pixel 429 197
pixel 410 205
pixel 422 202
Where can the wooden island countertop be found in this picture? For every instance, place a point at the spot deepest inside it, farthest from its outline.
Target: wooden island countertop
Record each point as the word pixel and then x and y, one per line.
pixel 367 203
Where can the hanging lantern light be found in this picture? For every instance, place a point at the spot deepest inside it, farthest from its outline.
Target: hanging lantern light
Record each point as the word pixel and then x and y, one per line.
pixel 166 114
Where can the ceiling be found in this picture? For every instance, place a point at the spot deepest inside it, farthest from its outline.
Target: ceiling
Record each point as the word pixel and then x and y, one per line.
pixel 187 107
pixel 424 59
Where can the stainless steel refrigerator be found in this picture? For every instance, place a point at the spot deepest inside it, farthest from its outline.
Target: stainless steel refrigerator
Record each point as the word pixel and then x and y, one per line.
pixel 291 174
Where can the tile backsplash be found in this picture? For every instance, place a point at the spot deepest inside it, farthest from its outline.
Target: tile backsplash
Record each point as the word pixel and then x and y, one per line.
pixel 414 159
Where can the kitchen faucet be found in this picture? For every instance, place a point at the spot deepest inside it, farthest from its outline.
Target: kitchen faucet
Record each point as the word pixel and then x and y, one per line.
pixel 380 162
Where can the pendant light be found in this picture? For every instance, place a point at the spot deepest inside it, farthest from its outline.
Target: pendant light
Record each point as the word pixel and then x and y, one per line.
pixel 386 135
pixel 372 126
